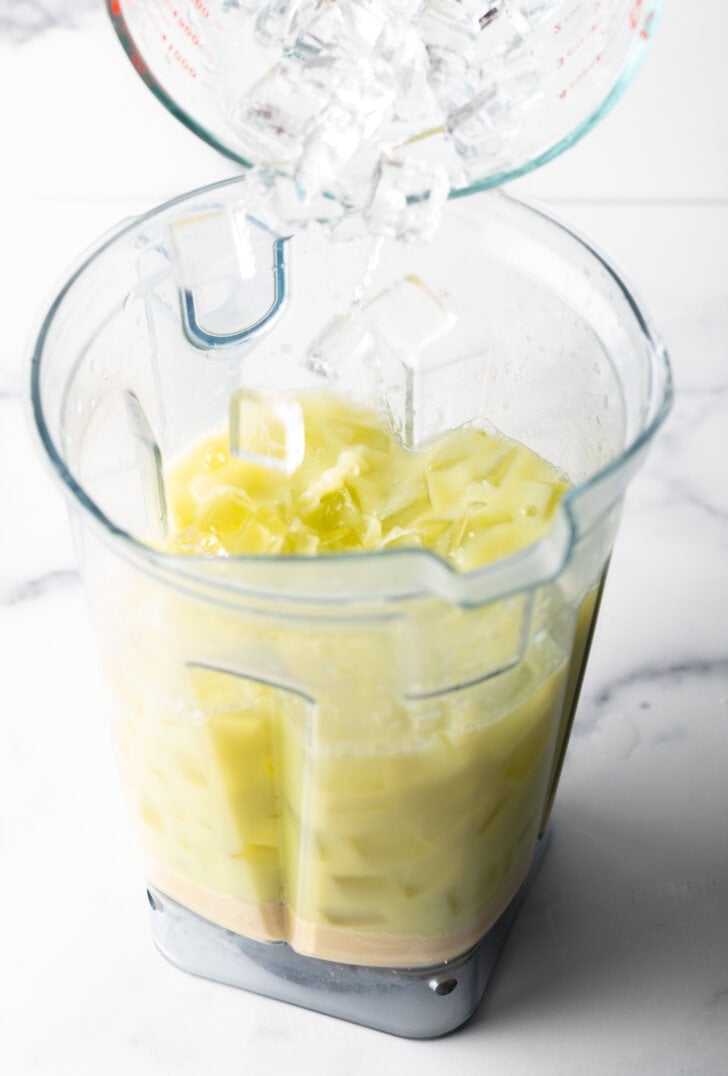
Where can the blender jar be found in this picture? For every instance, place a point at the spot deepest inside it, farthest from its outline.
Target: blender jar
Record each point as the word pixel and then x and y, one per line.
pixel 341 767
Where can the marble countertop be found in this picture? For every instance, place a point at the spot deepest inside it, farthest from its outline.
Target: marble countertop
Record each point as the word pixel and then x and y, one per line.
pixel 619 960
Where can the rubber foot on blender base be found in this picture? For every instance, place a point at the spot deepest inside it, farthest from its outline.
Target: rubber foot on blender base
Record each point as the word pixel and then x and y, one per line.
pixel 417 1003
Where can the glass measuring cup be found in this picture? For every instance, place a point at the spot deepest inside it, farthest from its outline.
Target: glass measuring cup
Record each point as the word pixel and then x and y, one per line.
pixel 558 69
pixel 352 755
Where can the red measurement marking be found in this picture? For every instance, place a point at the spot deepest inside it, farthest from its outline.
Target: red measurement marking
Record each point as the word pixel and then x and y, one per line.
pixel 635 14
pixel 202 8
pixel 187 30
pixel 184 25
pixel 182 60
pixel 116 8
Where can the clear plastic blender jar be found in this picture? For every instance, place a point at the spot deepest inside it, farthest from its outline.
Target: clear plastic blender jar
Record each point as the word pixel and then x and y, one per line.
pixel 352 755
pixel 341 767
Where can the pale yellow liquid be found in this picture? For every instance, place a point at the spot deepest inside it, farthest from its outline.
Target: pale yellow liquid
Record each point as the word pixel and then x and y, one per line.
pixel 355 819
pixel 471 496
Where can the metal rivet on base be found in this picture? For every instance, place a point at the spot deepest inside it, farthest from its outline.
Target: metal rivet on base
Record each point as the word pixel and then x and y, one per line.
pixel 442 986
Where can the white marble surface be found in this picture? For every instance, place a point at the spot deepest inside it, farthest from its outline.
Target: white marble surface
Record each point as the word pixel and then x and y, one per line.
pixel 619 961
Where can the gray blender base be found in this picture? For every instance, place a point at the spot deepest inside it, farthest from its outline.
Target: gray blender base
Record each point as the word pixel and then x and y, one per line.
pixel 418 1003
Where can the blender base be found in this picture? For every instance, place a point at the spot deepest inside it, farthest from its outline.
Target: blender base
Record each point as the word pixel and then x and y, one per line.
pixel 418 1003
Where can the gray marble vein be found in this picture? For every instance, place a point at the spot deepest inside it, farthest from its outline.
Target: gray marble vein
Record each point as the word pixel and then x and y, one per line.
pixel 694 500
pixel 31 589
pixel 22 20
pixel 671 673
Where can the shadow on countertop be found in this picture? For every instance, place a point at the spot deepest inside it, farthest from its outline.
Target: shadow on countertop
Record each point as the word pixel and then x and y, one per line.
pixel 606 926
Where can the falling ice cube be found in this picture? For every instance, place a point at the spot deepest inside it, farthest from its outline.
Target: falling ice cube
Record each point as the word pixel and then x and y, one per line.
pixel 267 429
pixel 408 316
pixel 408 199
pixel 284 206
pixel 345 341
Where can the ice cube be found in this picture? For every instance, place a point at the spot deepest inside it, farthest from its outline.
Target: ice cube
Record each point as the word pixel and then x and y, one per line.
pixel 340 156
pixel 407 319
pixel 408 199
pixel 267 429
pixel 365 20
pixel 402 48
pixel 328 150
pixel 366 88
pixel 452 394
pixel 453 80
pixel 407 316
pixel 277 113
pixel 451 24
pixel 345 339
pixel 355 96
pixel 278 21
pixel 347 26
pixel 520 79
pixel 483 128
pixel 355 184
pixel 507 30
pixel 475 129
pixel 285 207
